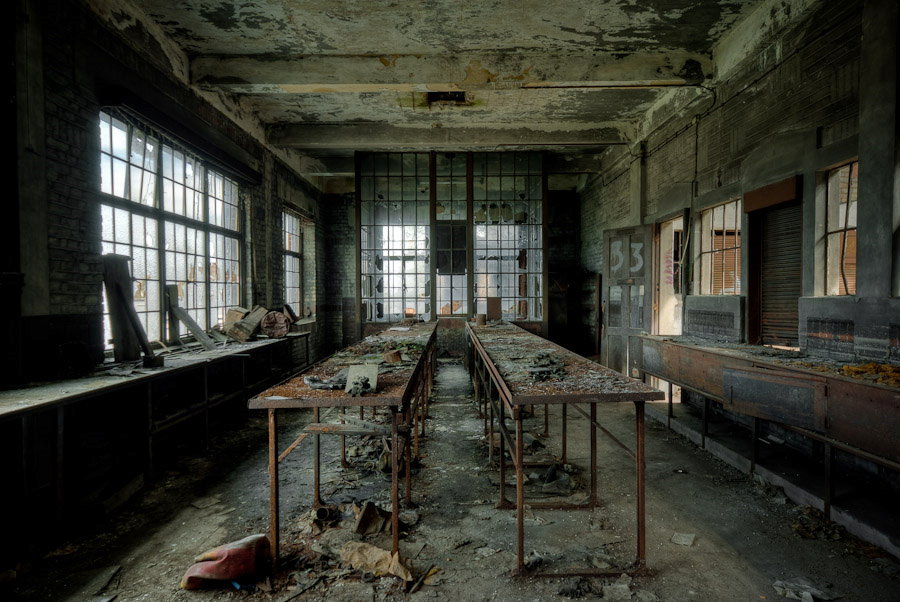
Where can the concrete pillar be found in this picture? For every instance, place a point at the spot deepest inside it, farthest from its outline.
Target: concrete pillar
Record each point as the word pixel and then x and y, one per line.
pixel 878 216
pixel 31 143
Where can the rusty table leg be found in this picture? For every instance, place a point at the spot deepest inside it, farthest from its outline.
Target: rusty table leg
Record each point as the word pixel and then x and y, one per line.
pixel 565 435
pixel 546 419
pixel 641 475
pixel 273 487
pixel 407 441
pixel 520 493
pixel 344 463
pixel 593 500
pixel 490 432
pixel 829 481
pixel 502 503
pixel 317 466
pixel 671 413
pixel 754 458
pixel 395 481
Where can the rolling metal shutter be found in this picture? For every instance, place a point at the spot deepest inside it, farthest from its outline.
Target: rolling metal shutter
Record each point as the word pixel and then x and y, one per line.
pixel 781 274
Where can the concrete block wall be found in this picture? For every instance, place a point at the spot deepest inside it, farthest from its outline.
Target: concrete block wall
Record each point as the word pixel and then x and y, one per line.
pixel 791 108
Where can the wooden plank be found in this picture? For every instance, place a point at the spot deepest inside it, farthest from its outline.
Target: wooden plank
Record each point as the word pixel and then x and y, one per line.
pixel 174 337
pixel 325 428
pixel 246 328
pixel 116 278
pixel 185 317
pixel 193 327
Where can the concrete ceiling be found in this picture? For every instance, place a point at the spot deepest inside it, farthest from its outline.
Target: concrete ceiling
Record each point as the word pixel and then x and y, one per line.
pixel 330 77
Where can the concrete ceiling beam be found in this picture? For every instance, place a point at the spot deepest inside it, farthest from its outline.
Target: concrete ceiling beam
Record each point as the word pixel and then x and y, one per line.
pixel 324 166
pixel 441 72
pixel 379 136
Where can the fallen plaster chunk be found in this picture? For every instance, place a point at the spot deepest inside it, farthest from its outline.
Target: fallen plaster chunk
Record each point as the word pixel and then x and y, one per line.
pixel 619 591
pixel 801 588
pixel 578 587
pixel 683 539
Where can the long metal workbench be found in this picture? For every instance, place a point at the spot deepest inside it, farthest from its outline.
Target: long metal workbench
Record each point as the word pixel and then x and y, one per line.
pixel 403 387
pixel 79 447
pixel 502 363
pixel 799 393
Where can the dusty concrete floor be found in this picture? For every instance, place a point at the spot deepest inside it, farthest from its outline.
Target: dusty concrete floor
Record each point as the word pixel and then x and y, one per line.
pixel 743 536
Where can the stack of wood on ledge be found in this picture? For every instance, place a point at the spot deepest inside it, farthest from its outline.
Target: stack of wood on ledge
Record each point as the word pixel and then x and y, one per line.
pixel 241 324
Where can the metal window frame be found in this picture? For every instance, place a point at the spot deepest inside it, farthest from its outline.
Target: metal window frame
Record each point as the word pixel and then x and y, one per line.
pixel 297 254
pixel 844 230
pixel 709 254
pixel 162 216
pixel 471 299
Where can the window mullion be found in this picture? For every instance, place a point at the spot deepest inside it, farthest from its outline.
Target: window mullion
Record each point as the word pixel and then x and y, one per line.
pixel 206 237
pixel 161 244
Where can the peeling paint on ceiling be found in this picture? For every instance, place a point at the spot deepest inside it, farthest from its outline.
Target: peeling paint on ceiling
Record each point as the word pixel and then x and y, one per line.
pixel 527 65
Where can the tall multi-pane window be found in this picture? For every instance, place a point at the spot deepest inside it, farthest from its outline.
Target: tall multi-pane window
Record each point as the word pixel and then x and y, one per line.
pixel 451 213
pixel 417 244
pixel 174 216
pixel 293 262
pixel 840 226
pixel 395 236
pixel 718 230
pixel 508 196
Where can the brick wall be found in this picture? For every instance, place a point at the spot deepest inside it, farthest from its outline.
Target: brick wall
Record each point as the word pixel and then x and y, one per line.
pixel 338 269
pixel 84 63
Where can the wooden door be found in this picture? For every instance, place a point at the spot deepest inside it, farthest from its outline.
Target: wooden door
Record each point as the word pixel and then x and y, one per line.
pixel 627 296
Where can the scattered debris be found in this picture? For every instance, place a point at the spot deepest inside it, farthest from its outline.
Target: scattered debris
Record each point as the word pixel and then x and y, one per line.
pixel 533 560
pixel 233 561
pixel 812 524
pixel 361 378
pixel 336 382
pixel 366 557
pixel 485 551
pixel 579 587
pixel 619 591
pixel 531 442
pixel 99 582
pixel 801 588
pixel 233 316
pixel 372 520
pixel 205 502
pixel 561 485
pixel 409 517
pixel 683 539
pixel 886 566
pixel 246 327
pixel 885 374
pixel 545 366
pixel 275 324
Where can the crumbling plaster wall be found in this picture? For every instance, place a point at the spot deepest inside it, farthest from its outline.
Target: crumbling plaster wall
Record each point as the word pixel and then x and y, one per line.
pixel 790 108
pixel 82 60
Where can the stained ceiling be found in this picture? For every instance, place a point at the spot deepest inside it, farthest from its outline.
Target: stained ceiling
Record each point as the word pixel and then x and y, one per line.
pixel 330 77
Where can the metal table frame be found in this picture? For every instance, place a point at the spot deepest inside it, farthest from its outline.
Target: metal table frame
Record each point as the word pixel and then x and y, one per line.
pixel 408 413
pixel 498 404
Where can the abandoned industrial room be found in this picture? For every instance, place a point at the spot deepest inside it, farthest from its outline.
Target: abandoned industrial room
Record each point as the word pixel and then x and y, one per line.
pixel 499 300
